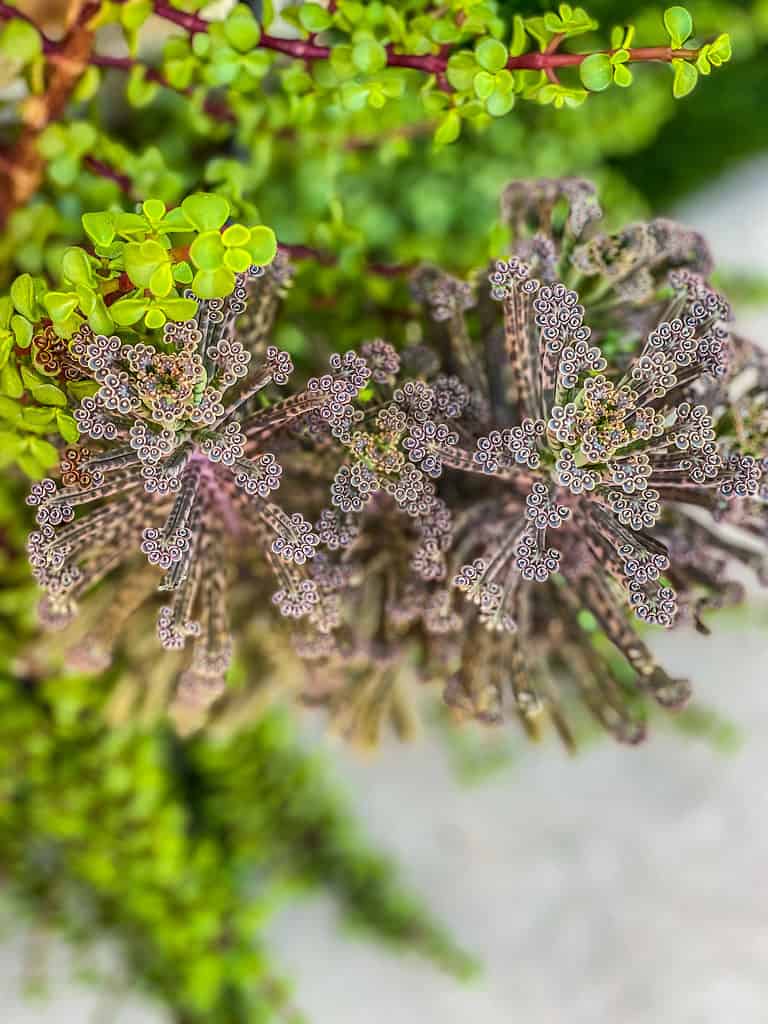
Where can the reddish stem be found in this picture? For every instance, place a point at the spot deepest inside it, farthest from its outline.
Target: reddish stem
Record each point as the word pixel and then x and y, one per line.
pixel 105 171
pixel 431 64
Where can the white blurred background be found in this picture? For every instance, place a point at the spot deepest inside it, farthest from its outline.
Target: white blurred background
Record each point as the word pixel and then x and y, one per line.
pixel 626 885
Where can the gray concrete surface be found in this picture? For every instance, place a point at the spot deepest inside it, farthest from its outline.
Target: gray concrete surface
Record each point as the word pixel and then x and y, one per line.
pixel 622 887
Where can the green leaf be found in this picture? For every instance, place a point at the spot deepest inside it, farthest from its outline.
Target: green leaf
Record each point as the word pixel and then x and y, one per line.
pixel 67 427
pixel 175 220
pixel 126 312
pixel 180 72
pixel 702 61
pixel 341 61
pixel 142 259
pixel 461 70
pixel 161 281
pixel 22 330
pixel 500 102
pixel 48 394
pixel 369 56
pixel 596 72
pixel 491 54
pixel 449 129
pixel 483 83
pixel 10 410
pixel 241 29
pixel 182 273
pixel 153 209
pixel 685 78
pixel 23 296
pixel 155 318
pixel 262 245
pixel 679 24
pixel 139 91
pixel 207 251
pixel 237 260
pixel 6 347
pixel 60 305
pixel 720 50
pixel 130 224
pixel 213 284
pixel 622 75
pixel 37 418
pixel 354 96
pixel 314 18
pixel 76 267
pixel 30 465
pixel 519 38
pixel 236 235
pixel 43 451
pixel 10 381
pixel 88 85
pixel 100 227
pixel 178 309
pixel 20 41
pixel 99 319
pixel 205 211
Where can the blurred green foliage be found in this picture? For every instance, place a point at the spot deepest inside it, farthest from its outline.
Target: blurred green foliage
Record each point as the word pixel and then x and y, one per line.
pixel 180 850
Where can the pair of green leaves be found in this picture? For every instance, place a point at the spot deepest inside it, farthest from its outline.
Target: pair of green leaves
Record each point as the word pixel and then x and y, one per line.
pixel 599 70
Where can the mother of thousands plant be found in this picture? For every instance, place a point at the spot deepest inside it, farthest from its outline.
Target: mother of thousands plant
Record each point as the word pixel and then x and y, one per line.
pixel 485 507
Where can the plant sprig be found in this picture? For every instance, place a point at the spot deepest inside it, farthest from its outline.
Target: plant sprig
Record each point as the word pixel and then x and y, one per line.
pixel 132 276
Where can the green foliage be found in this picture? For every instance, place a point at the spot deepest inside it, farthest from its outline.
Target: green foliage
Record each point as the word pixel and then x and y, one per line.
pixel 179 850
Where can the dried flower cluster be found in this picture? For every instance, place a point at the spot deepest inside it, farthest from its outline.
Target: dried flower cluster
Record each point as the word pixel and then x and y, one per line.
pixel 486 509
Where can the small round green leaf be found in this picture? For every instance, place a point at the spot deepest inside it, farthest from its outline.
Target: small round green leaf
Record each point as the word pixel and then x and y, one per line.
pixel 23 296
pixel 178 309
pixel 369 56
pixel 483 83
pixel 207 251
pixel 153 209
pixel 622 75
pixel 314 18
pixel 449 129
pixel 500 102
pixel 161 281
pixel 241 29
pixel 679 24
pixel 126 312
pixel 685 78
pixel 67 427
pixel 461 70
pixel 155 318
pixel 60 305
pixel 49 394
pixel 20 40
pixel 262 245
pixel 491 54
pixel 213 284
pixel 236 235
pixel 76 266
pixel 100 227
pixel 237 260
pixel 596 72
pixel 205 211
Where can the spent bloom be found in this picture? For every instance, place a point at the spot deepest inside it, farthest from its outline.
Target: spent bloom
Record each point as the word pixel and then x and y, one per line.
pixel 576 447
pixel 183 473
pixel 572 453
